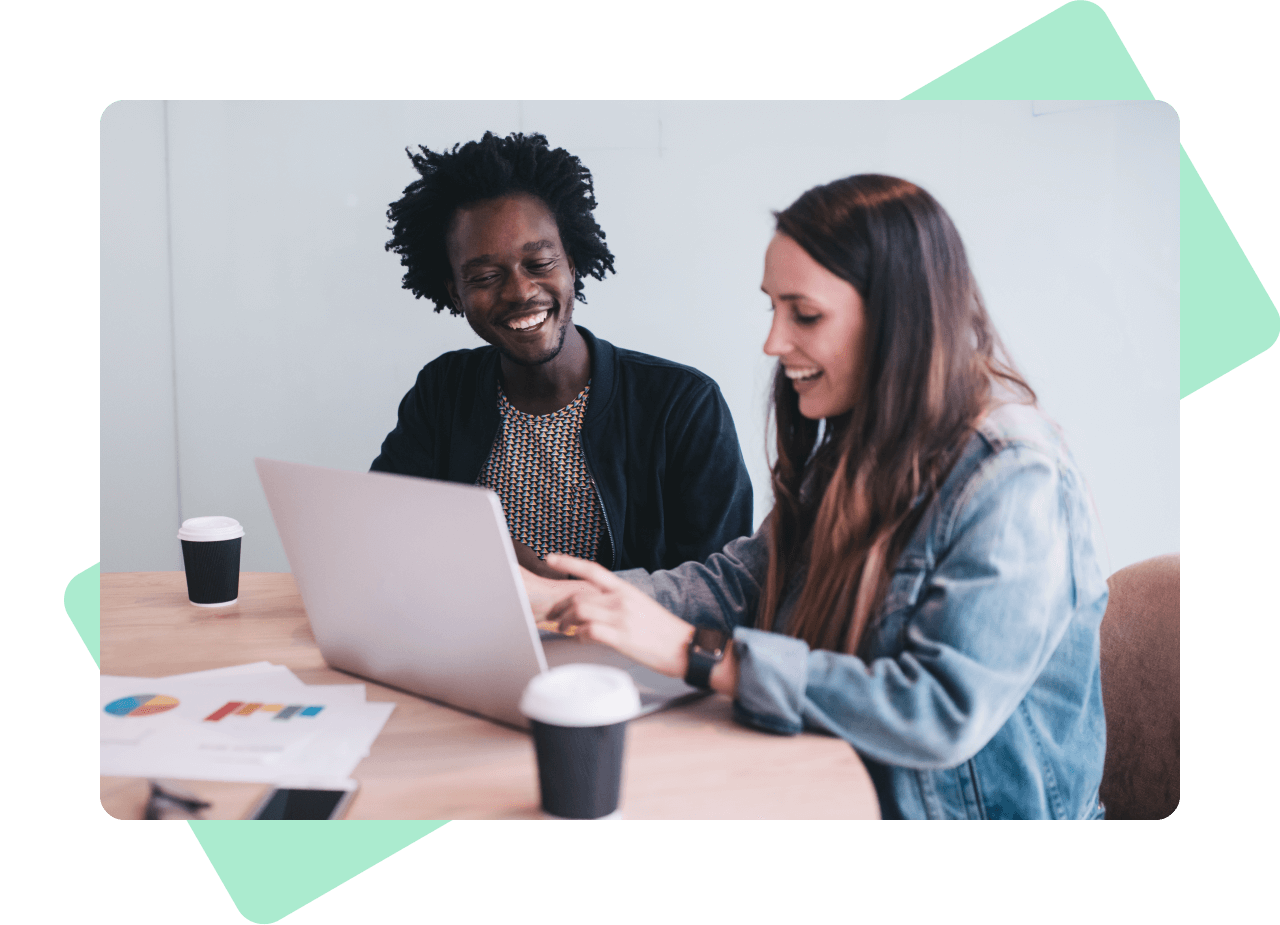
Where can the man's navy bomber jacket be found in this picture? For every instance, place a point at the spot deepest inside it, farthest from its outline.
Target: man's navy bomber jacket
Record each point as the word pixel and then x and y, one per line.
pixel 658 439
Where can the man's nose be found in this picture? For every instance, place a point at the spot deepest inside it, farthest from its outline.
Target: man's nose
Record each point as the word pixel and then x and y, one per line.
pixel 519 288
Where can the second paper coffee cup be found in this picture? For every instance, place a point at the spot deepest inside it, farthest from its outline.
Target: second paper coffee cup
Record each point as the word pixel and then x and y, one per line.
pixel 211 556
pixel 579 716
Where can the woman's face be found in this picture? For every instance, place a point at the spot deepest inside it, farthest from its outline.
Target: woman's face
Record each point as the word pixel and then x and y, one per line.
pixel 818 328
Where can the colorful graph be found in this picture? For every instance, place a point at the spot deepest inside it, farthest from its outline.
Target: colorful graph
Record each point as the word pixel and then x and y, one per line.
pixel 141 705
pixel 241 708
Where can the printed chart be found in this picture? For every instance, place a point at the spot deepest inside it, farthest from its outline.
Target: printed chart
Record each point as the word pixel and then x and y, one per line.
pixel 256 722
pixel 141 705
pixel 281 711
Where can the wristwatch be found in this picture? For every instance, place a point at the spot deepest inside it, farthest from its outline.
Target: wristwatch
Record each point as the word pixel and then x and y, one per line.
pixel 705 652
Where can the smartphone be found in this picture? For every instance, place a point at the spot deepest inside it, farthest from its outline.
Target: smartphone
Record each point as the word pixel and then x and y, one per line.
pixel 306 799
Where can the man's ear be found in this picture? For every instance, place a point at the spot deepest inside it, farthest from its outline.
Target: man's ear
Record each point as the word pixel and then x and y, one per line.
pixel 453 296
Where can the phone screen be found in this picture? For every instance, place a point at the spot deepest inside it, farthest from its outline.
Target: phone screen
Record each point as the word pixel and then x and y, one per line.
pixel 301 804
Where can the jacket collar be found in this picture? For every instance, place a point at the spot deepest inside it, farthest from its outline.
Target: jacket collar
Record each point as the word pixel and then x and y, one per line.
pixel 604 368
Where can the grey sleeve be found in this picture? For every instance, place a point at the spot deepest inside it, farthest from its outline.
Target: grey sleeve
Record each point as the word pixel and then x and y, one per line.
pixel 722 592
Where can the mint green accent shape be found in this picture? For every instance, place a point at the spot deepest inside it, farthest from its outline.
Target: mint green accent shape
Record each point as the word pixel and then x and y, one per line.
pixel 82 601
pixel 1227 317
pixel 1074 54
pixel 269 868
pixel 1071 54
pixel 273 868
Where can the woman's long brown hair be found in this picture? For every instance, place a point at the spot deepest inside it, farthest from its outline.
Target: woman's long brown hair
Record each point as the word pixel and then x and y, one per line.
pixel 931 367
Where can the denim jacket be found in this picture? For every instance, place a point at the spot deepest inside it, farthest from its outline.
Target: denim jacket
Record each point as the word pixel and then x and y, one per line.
pixel 980 696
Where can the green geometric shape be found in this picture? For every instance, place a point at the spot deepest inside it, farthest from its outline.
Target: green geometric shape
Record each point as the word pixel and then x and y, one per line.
pixel 1074 53
pixel 273 868
pixel 82 601
pixel 269 868
pixel 1227 317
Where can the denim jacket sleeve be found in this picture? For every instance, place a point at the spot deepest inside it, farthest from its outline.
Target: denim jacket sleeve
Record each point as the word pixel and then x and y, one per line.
pixel 989 614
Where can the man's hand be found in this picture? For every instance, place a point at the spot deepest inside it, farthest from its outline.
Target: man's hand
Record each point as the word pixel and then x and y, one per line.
pixel 545 593
pixel 528 559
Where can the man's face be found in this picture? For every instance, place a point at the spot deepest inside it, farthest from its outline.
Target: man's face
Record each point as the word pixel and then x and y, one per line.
pixel 512 277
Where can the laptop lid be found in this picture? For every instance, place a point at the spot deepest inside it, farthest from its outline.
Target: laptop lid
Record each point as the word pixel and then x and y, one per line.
pixel 413 583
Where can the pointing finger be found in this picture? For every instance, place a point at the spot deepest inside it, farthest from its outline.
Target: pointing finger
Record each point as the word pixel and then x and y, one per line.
pixel 592 572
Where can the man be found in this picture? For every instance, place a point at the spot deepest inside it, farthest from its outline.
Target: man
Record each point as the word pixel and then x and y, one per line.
pixel 595 451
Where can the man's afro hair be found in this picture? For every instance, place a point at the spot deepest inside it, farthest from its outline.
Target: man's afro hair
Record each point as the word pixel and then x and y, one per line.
pixel 487 169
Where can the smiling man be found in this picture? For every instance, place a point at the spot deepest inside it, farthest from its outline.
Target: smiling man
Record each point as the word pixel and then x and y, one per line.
pixel 595 451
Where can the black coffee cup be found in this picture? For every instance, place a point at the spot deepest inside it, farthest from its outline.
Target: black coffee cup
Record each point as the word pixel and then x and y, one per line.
pixel 578 715
pixel 211 555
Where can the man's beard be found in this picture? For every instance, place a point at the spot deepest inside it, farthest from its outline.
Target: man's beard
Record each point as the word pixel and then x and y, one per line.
pixel 546 357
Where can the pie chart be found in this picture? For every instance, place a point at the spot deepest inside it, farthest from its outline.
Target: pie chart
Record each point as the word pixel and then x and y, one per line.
pixel 141 705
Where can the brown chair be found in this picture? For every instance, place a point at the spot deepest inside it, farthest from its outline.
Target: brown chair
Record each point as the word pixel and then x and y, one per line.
pixel 1140 691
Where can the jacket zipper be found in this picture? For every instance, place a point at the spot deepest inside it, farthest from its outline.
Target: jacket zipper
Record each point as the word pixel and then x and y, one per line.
pixel 604 514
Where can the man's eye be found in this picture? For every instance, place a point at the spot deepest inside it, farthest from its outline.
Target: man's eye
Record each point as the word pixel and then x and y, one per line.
pixel 481 280
pixel 542 266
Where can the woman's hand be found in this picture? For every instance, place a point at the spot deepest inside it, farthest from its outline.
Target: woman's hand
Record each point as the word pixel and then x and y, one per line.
pixel 604 608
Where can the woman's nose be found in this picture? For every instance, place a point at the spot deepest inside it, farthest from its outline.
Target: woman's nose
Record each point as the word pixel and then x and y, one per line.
pixel 777 343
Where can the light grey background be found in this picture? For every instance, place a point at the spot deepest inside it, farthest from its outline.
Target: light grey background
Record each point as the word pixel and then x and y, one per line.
pixel 249 308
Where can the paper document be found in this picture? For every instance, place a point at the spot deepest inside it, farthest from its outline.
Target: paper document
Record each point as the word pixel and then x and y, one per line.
pixel 254 722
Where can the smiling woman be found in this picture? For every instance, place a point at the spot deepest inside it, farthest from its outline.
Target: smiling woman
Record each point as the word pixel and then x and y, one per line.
pixel 927 585
pixel 817 331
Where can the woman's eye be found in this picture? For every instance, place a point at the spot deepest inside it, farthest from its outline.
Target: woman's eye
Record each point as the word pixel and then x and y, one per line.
pixel 806 319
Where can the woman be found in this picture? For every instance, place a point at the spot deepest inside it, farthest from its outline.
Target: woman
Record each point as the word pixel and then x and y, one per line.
pixel 927 586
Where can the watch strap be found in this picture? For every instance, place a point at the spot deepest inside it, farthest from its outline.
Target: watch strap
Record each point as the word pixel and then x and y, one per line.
pixel 706 650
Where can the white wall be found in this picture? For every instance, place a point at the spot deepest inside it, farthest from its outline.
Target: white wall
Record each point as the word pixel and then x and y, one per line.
pixel 140 503
pixel 284 331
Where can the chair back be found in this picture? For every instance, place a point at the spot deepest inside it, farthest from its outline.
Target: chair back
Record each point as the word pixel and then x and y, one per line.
pixel 1140 691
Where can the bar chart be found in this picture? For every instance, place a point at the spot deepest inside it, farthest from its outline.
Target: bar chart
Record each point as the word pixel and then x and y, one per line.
pixel 283 712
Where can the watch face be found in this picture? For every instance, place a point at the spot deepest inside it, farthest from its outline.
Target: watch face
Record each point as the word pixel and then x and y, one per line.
pixel 709 639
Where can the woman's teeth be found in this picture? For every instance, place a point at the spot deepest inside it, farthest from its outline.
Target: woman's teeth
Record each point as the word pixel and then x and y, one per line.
pixel 802 373
pixel 528 321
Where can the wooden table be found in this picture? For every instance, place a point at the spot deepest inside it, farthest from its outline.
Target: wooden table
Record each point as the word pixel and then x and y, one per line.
pixel 434 762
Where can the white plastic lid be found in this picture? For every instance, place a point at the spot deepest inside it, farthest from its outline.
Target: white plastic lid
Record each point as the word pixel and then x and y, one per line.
pixel 210 529
pixel 581 695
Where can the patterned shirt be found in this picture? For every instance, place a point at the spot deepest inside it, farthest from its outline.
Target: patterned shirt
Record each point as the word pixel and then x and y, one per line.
pixel 537 468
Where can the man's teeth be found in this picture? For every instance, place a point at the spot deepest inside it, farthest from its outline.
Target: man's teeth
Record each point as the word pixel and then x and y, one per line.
pixel 801 373
pixel 529 321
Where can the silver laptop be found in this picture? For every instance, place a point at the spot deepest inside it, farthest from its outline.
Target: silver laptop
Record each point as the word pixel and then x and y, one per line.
pixel 413 583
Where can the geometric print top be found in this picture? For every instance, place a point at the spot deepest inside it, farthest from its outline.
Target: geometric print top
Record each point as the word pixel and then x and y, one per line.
pixel 537 469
